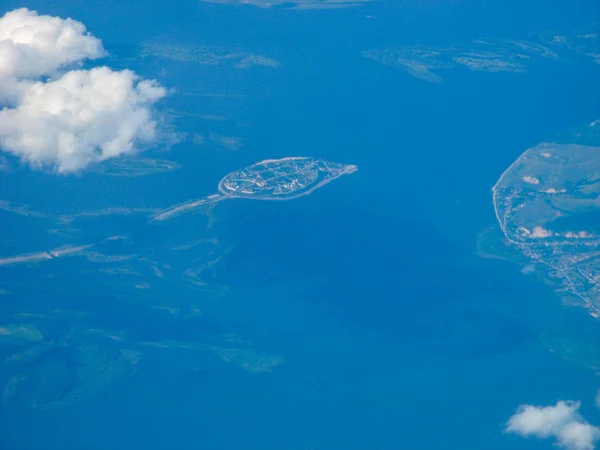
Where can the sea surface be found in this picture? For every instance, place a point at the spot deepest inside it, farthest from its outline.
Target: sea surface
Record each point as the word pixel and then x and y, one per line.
pixel 394 332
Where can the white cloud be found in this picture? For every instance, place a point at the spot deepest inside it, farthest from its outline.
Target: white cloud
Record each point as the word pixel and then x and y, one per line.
pixel 80 118
pixel 67 119
pixel 540 232
pixel 531 180
pixel 562 422
pixel 32 45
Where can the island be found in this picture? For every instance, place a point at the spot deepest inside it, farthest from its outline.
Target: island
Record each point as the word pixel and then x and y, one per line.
pixel 547 207
pixel 272 179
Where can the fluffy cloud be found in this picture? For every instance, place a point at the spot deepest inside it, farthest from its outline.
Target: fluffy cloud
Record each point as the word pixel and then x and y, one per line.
pixel 32 45
pixel 80 118
pixel 67 119
pixel 562 422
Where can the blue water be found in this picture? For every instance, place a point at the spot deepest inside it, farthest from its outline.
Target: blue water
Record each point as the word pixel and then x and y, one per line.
pixel 395 333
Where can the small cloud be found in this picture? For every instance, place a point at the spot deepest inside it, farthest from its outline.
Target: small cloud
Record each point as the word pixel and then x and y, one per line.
pixel 540 233
pixel 531 180
pixel 578 235
pixel 561 422
pixel 32 45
